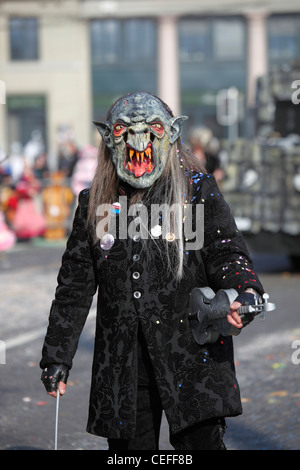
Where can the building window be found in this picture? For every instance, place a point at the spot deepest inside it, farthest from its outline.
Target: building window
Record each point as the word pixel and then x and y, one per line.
pixel 105 41
pixel 23 38
pixel 139 41
pixel 26 114
pixel 212 54
pixel 283 38
pixel 229 39
pixel 122 42
pixel 124 59
pixel 212 39
pixel 194 40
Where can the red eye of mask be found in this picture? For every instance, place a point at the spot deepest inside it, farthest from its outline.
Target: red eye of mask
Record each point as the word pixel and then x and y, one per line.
pixel 157 127
pixel 119 129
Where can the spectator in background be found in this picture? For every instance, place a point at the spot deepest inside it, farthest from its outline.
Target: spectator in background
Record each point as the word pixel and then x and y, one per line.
pixel 34 147
pixel 40 167
pixel 7 236
pixel 84 169
pixel 28 221
pixel 15 163
pixel 57 201
pixel 67 151
pixel 206 147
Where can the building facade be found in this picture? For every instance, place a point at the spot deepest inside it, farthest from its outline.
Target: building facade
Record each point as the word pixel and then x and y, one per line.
pixel 63 62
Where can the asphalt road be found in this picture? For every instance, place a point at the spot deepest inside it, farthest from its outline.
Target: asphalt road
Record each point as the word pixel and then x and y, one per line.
pixel 267 358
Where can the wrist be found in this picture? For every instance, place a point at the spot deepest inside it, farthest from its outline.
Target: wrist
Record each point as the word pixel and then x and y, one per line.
pixel 251 291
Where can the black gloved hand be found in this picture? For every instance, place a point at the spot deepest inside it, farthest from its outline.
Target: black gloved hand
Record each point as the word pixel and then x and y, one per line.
pixel 53 374
pixel 246 298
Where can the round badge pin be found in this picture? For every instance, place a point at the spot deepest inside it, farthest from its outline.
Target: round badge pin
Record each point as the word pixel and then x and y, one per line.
pixel 107 241
pixel 116 208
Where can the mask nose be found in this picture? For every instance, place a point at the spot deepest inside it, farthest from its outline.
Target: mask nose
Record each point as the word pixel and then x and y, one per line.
pixel 138 136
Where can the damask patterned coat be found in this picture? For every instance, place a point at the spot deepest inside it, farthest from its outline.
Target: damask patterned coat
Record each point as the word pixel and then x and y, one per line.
pixel 194 382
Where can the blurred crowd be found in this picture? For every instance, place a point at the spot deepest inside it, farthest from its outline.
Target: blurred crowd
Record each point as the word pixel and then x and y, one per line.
pixel 36 201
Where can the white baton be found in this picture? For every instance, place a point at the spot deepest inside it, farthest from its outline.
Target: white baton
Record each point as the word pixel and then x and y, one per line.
pixel 56 419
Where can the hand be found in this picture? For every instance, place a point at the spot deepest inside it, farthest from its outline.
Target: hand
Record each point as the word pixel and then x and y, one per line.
pixel 233 317
pixel 55 375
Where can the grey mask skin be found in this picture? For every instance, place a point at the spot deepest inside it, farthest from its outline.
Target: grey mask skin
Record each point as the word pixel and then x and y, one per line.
pixel 140 132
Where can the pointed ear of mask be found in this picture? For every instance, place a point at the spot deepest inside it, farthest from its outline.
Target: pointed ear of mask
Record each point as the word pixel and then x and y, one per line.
pixel 104 131
pixel 175 128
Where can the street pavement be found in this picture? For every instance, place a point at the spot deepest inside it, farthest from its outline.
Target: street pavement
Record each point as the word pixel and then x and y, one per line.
pixel 267 355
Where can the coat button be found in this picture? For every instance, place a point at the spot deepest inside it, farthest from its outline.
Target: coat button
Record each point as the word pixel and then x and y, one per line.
pixel 136 238
pixel 156 231
pixel 136 257
pixel 137 294
pixel 170 237
pixel 136 275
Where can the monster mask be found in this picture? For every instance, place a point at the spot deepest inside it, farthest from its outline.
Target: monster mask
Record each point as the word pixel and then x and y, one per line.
pixel 140 132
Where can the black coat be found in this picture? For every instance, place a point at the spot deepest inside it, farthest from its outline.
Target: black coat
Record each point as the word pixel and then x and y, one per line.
pixel 195 383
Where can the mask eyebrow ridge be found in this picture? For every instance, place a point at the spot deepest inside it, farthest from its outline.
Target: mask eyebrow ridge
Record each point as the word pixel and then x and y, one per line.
pixel 123 118
pixel 153 118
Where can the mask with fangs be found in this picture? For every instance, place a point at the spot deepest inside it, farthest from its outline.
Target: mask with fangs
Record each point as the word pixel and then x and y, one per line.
pixel 140 131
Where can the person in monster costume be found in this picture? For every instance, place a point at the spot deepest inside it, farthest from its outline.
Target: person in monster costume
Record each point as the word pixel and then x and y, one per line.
pixel 146 359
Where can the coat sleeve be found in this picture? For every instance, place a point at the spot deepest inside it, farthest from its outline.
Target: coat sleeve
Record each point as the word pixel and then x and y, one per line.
pixel 225 254
pixel 76 286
